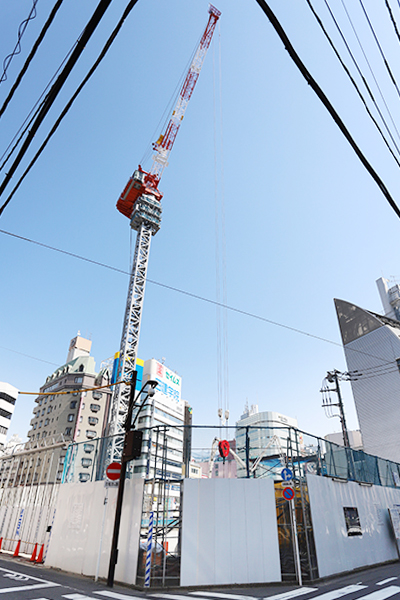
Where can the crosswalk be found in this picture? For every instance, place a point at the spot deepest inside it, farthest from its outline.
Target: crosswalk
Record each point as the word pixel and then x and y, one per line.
pixel 378 590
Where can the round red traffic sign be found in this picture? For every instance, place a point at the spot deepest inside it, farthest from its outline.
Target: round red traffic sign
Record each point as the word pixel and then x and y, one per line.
pixel 113 471
pixel 288 493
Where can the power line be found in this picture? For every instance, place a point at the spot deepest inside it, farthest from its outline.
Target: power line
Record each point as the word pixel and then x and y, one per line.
pixel 17 48
pixel 321 95
pixel 192 295
pixel 56 88
pixel 102 54
pixel 31 55
pixel 347 71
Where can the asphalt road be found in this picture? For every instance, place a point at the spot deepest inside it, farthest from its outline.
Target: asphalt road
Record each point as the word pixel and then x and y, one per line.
pixel 21 581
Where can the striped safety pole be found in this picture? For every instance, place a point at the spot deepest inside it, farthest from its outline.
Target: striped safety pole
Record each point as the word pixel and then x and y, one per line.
pixel 148 552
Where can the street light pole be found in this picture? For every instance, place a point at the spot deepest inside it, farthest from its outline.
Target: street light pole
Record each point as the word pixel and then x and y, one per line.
pixel 128 426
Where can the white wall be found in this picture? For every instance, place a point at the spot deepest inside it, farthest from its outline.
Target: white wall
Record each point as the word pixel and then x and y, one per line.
pixel 25 514
pixel 229 532
pixel 75 539
pixel 336 552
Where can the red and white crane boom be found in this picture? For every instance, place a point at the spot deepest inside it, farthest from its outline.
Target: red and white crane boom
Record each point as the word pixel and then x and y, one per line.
pixel 141 203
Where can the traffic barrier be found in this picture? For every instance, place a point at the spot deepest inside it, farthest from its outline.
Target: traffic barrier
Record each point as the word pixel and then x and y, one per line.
pixel 40 557
pixel 16 551
pixel 33 557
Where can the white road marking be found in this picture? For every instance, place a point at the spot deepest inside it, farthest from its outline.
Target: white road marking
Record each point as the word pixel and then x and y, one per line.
pixel 292 594
pixel 118 596
pixel 77 597
pixel 386 581
pixel 24 588
pixel 171 596
pixel 349 589
pixel 382 594
pixel 224 596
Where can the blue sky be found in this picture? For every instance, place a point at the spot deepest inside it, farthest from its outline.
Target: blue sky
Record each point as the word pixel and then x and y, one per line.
pixel 304 221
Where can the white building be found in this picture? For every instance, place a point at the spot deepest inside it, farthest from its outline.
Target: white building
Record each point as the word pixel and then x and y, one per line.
pixel 372 348
pixel 355 439
pixel 268 434
pixel 8 397
pixel 162 449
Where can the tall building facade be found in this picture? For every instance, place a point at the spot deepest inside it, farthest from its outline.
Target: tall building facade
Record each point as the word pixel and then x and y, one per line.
pixel 372 349
pixel 66 408
pixel 8 397
pixel 162 420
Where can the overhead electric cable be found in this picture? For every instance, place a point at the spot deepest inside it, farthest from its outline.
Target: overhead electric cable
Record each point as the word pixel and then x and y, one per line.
pixel 385 62
pixel 102 54
pixel 31 55
pixel 370 68
pixel 17 48
pixel 53 93
pixel 195 296
pixel 316 88
pixel 392 19
pixel 34 110
pixel 347 71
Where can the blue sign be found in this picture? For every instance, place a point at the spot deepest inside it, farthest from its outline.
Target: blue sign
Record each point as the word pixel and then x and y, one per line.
pixel 286 474
pixel 288 493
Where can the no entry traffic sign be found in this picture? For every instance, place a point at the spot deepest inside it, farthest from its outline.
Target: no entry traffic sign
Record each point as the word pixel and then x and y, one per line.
pixel 288 493
pixel 113 471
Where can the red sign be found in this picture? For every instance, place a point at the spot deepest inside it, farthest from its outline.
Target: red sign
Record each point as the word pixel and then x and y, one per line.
pixel 288 493
pixel 113 471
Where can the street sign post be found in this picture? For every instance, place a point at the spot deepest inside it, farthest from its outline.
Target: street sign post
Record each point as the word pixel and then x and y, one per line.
pixel 113 471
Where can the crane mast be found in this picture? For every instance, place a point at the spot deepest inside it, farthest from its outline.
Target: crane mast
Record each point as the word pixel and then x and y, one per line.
pixel 141 203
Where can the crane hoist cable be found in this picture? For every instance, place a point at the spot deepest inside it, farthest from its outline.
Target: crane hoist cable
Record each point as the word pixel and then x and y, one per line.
pixel 321 95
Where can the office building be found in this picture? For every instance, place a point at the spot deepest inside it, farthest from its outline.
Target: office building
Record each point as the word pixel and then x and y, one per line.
pixel 268 435
pixel 372 349
pixel 66 408
pixel 8 397
pixel 161 419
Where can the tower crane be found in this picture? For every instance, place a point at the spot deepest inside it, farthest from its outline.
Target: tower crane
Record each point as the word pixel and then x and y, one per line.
pixel 141 203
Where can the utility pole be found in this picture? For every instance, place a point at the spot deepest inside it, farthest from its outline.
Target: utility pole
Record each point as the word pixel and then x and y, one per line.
pixel 333 377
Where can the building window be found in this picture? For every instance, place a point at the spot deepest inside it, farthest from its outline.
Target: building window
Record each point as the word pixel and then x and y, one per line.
pixel 81 367
pixel 97 395
pixel 47 421
pixel 49 409
pixel 40 424
pixel 88 448
pixel 80 419
pixel 34 426
pixel 7 398
pixel 43 411
pixel 78 433
pixel 90 434
pixel 73 403
pixel 70 418
pixel 93 420
pixel 5 413
pixel 86 462
pixel 84 477
pixel 68 431
pixel 95 407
